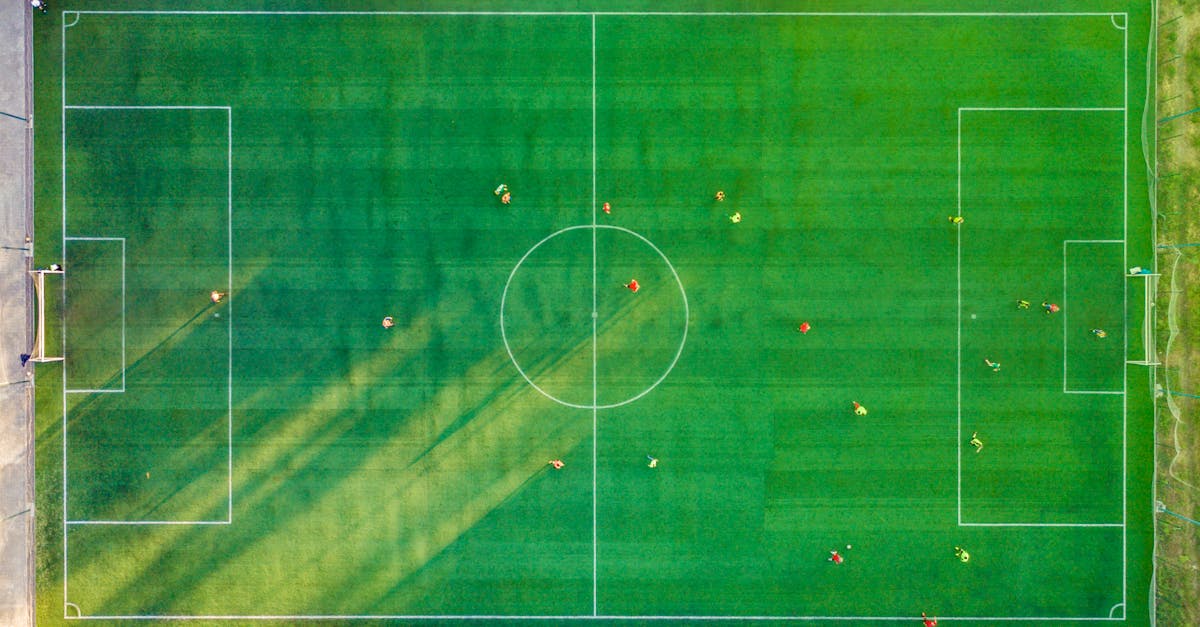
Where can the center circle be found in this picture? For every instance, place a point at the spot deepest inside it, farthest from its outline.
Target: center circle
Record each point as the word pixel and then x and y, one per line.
pixel 576 332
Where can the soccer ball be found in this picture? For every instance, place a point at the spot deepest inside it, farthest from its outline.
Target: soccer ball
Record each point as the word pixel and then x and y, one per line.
pixel 848 546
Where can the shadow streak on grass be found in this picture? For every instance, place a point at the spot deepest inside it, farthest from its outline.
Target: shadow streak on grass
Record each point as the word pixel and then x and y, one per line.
pixel 197 451
pixel 45 438
pixel 495 423
pixel 55 428
pixel 100 405
pixel 273 541
pixel 318 426
pixel 471 467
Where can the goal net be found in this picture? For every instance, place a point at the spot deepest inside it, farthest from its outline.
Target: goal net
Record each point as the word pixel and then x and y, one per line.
pixel 38 352
pixel 1150 354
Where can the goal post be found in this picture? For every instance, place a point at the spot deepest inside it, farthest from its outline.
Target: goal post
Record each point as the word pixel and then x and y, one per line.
pixel 38 352
pixel 1149 345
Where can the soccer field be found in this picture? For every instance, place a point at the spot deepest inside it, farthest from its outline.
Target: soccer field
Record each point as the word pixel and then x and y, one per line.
pixel 282 455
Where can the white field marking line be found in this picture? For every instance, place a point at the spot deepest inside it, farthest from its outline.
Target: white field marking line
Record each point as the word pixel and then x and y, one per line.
pixel 228 310
pixel 94 391
pixel 1125 310
pixel 148 522
pixel 120 390
pixel 678 282
pixel 617 13
pixel 1041 108
pixel 63 172
pixel 1066 312
pixel 568 617
pixel 1113 392
pixel 593 14
pixel 987 524
pixel 229 304
pixel 959 266
pixel 145 107
pixel 1125 399
pixel 1114 609
pixel 1113 19
pixel 595 349
pixel 958 374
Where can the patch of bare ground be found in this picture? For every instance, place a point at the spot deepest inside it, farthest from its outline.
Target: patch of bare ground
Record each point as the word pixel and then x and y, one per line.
pixel 1177 437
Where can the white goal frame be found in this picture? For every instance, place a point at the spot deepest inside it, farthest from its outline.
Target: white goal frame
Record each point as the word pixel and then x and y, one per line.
pixel 1149 341
pixel 38 352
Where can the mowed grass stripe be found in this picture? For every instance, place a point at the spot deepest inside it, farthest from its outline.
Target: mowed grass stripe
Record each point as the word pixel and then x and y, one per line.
pixel 844 187
pixel 328 272
pixel 366 164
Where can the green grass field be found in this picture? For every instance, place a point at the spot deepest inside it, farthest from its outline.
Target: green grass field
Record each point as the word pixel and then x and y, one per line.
pixel 281 454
